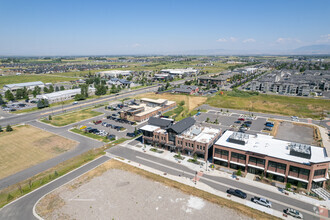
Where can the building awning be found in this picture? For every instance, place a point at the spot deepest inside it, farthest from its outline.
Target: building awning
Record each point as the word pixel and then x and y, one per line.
pixel 319 180
pixel 240 164
pixel 218 158
pixel 275 173
pixel 298 179
pixel 261 168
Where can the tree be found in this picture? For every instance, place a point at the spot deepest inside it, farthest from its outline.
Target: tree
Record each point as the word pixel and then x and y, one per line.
pixel 9 128
pixel 51 89
pixel 135 131
pixel 49 117
pixel 62 88
pixel 239 172
pixel 84 90
pixel 167 85
pixel 288 186
pixel 195 157
pixel 1 129
pixel 216 121
pixel 1 101
pixel 57 89
pixel 46 90
pixel 9 95
pixel 270 177
pixel 207 119
pixel 36 91
pixel 182 103
pixel 42 103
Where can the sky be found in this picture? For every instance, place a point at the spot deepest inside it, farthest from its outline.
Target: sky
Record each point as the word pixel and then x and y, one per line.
pixel 106 27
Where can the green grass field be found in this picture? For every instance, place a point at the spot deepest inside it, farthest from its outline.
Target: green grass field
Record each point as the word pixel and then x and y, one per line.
pixel 31 78
pixel 274 104
pixel 72 117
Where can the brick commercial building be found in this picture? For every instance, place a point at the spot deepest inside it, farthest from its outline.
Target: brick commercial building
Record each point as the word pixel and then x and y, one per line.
pixel 282 161
pixel 183 136
pixel 147 108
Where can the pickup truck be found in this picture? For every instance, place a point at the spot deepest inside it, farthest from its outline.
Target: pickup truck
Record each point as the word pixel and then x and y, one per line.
pixel 262 201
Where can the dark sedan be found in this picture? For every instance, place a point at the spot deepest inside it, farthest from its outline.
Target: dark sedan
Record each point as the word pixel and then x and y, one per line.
pixel 237 192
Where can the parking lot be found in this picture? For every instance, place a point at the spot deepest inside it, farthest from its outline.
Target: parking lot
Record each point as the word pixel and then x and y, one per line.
pixel 14 106
pixel 111 124
pixel 297 133
pixel 231 121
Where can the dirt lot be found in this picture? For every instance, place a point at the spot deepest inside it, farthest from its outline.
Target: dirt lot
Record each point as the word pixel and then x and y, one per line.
pixel 119 194
pixel 191 102
pixel 27 146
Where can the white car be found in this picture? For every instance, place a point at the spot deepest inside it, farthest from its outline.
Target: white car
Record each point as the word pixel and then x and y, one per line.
pixel 293 213
pixel 294 118
pixel 262 201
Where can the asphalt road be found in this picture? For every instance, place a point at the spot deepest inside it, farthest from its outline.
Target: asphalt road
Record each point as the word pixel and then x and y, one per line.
pixel 22 209
pixel 279 201
pixel 23 118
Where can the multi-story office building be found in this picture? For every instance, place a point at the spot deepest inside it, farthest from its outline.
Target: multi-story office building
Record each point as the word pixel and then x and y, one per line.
pixel 283 161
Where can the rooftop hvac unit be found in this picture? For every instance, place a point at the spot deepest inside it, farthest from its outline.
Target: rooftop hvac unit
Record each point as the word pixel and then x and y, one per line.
pixel 300 150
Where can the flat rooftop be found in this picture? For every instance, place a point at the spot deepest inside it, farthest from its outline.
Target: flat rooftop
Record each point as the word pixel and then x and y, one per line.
pixel 150 128
pixel 200 134
pixel 267 145
pixel 147 109
pixel 157 101
pixel 36 83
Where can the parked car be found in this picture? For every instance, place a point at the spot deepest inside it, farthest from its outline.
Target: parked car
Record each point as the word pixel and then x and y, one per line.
pixel 130 134
pixel 243 128
pixel 97 122
pixel 237 192
pixel 88 129
pixel 294 118
pixel 268 128
pixel 111 137
pixel 115 114
pixel 109 117
pixel 248 122
pixel 237 122
pixel 93 130
pixel 269 124
pixel 13 109
pixel 293 213
pixel 241 119
pixel 104 124
pixel 21 105
pixel 262 201
pixel 108 125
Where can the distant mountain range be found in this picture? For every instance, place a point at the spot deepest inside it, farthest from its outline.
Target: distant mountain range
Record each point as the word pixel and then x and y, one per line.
pixel 306 50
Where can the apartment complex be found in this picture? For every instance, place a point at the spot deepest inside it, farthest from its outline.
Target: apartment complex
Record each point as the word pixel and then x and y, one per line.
pixel 292 82
pixel 183 136
pixel 147 108
pixel 285 162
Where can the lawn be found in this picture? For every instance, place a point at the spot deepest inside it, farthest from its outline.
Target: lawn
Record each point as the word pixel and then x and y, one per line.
pixel 71 117
pixel 27 146
pixel 274 104
pixel 31 78
pixel 190 103
pixel 91 135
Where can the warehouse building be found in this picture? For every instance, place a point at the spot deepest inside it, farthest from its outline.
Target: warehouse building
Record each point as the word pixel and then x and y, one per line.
pixel 27 85
pixel 114 73
pixel 64 95
pixel 285 162
pixel 180 72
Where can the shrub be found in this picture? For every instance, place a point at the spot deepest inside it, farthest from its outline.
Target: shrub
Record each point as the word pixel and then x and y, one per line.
pixel 288 186
pixel 9 128
pixel 239 172
pixel 9 197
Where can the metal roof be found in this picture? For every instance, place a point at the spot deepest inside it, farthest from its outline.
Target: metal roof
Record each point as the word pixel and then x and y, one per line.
pixel 160 122
pixel 182 125
pixel 24 84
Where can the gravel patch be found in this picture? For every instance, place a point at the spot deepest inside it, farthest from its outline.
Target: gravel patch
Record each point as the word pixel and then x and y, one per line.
pixel 118 194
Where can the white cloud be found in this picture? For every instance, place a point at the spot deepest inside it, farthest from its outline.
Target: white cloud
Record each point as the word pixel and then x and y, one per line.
pixel 282 40
pixel 231 39
pixel 136 45
pixel 250 40
pixel 324 38
pixel 222 40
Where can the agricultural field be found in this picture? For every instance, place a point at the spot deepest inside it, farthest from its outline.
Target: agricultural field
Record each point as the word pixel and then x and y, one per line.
pixel 31 78
pixel 27 146
pixel 274 104
pixel 71 117
pixel 186 103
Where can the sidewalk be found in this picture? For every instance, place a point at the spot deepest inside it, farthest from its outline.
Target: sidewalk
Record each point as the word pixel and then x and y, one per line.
pixel 167 155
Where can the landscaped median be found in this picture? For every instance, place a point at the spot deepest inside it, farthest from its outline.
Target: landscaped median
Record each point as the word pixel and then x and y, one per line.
pixel 90 135
pixel 72 117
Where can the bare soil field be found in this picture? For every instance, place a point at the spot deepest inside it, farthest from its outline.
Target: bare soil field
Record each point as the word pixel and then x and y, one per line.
pixel 27 146
pixel 116 190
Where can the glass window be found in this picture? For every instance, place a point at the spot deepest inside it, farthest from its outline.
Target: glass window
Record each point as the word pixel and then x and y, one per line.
pixel 234 155
pixel 304 171
pixel 253 159
pixel 242 157
pixel 271 164
pixel 294 169
pixel 224 152
pixel 319 172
